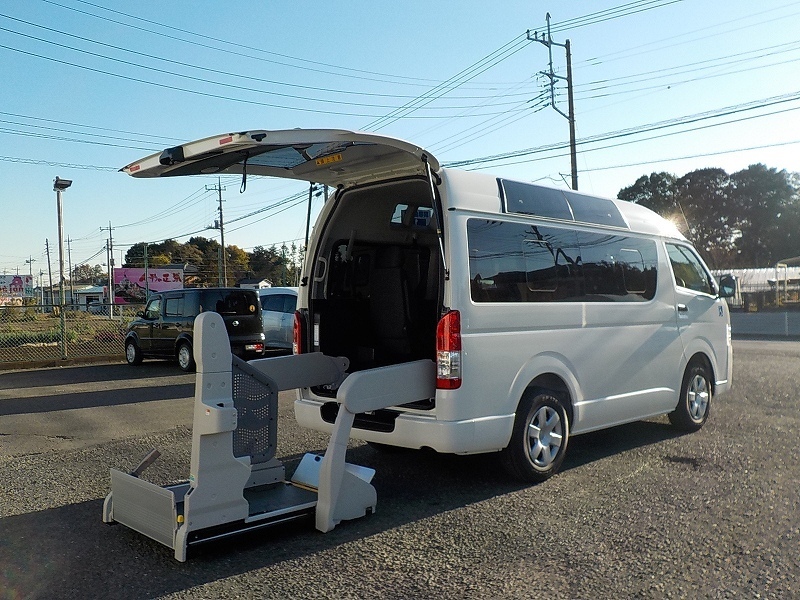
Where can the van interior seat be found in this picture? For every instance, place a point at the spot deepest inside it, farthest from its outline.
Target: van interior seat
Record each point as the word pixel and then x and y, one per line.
pixel 390 314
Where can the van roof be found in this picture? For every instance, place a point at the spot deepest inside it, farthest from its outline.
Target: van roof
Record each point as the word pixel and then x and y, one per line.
pixel 479 191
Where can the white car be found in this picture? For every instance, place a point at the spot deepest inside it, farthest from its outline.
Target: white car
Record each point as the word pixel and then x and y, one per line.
pixel 277 313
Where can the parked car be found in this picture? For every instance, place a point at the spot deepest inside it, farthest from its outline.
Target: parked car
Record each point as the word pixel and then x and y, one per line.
pixel 277 314
pixel 164 328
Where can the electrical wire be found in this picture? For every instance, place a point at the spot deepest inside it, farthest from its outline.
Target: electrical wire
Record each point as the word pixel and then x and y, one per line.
pixel 688 119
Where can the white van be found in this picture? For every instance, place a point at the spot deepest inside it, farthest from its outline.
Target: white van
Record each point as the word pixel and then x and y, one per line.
pixel 543 313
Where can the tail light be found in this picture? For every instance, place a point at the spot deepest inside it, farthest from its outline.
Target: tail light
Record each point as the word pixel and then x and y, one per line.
pixel 448 351
pixel 299 333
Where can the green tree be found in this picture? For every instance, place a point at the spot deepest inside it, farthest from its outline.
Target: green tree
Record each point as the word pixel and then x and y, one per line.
pixel 766 208
pixel 657 191
pixel 238 262
pixel 704 196
pixel 209 263
pixel 748 219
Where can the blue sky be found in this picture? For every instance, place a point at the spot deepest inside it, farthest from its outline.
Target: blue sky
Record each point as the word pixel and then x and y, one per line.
pixel 89 86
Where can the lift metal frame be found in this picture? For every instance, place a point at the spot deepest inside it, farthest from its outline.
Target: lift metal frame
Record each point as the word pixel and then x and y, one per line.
pixel 235 482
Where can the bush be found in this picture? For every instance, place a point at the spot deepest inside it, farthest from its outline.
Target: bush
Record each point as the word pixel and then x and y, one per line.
pixel 18 338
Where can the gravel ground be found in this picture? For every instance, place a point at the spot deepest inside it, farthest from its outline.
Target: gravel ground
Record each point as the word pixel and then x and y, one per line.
pixel 638 511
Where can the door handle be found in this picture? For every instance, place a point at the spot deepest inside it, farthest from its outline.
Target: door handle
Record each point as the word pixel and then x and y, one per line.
pixel 683 308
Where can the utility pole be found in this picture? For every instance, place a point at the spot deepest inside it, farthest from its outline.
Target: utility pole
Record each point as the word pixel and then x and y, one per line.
pixel 109 258
pixel 548 41
pixel 223 273
pixel 146 276
pixel 41 290
pixel 49 269
pixel 59 186
pixel 110 254
pixel 30 262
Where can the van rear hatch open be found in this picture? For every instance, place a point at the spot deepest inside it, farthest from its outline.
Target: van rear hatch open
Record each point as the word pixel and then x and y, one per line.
pixel 332 157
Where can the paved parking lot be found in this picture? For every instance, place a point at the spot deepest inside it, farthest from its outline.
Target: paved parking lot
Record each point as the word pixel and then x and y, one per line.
pixel 638 511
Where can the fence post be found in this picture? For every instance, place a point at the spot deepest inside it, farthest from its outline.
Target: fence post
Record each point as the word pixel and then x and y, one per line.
pixel 63 330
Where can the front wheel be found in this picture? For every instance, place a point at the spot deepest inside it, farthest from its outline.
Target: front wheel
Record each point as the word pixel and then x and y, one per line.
pixel 185 357
pixel 539 439
pixel 133 354
pixel 694 404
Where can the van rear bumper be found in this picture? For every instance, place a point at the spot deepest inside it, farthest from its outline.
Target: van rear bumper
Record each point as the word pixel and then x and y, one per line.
pixel 413 430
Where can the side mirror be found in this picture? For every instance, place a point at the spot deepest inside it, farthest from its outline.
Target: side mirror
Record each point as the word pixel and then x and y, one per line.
pixel 727 286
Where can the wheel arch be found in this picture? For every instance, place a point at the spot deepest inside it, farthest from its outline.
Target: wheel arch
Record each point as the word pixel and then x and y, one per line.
pixel 705 360
pixel 552 372
pixel 183 337
pixel 550 382
pixel 701 347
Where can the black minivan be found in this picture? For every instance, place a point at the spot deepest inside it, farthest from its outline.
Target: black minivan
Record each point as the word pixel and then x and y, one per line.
pixel 164 329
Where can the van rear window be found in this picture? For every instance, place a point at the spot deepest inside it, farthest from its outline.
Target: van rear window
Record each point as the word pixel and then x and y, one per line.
pixel 238 303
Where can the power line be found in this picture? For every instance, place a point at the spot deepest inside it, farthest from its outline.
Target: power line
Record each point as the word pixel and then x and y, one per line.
pixel 358 72
pixel 172 61
pixel 689 119
pixel 690 156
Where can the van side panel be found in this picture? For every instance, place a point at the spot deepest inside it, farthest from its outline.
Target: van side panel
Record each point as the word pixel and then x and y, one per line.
pixel 620 361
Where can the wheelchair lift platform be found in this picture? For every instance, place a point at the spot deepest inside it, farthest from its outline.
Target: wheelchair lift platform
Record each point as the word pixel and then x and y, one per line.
pixel 235 482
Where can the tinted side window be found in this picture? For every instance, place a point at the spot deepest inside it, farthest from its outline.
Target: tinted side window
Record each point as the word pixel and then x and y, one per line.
pixel 526 198
pixel 534 200
pixel 618 268
pixel 688 270
pixel 514 262
pixel 173 307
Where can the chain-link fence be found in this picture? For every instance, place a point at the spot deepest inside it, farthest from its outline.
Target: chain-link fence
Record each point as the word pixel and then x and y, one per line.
pixel 37 333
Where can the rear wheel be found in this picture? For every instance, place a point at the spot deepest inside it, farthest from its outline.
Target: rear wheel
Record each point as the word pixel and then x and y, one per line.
pixel 185 357
pixel 133 354
pixel 539 439
pixel 694 404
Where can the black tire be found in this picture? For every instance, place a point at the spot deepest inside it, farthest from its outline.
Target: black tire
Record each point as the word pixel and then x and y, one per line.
pixel 185 356
pixel 694 404
pixel 539 439
pixel 133 354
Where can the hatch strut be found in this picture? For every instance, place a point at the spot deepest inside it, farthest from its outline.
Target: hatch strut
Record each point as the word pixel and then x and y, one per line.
pixel 437 210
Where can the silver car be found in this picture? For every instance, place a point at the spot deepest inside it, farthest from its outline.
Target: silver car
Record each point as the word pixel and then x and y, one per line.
pixel 277 314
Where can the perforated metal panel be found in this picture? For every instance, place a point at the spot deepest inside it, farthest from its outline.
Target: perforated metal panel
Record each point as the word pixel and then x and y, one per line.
pixel 255 397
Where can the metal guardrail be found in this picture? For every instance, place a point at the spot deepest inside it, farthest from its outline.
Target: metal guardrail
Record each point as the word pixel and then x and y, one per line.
pixel 36 333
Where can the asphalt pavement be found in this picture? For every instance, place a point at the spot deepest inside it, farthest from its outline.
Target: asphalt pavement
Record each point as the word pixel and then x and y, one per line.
pixel 638 511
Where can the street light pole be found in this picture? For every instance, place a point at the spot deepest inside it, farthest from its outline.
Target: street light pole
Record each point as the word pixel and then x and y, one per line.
pixel 59 186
